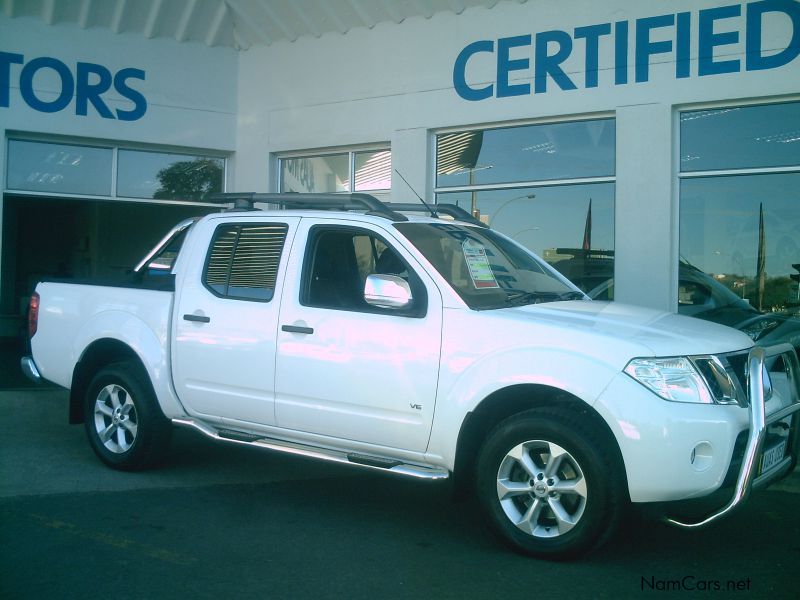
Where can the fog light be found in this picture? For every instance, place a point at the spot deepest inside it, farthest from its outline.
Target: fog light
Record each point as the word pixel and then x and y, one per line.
pixel 702 457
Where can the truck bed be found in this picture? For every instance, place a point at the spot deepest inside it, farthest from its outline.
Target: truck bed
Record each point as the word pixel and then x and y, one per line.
pixel 76 314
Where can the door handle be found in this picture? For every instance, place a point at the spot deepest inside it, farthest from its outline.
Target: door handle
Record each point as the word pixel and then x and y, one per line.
pixel 297 329
pixel 197 318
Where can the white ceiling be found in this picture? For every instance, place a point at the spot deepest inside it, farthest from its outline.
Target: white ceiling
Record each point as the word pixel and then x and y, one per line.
pixel 232 23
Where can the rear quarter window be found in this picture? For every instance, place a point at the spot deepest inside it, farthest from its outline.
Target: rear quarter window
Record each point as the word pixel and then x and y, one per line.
pixel 243 260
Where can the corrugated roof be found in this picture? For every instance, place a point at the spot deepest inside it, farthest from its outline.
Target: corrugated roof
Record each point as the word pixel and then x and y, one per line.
pixel 233 23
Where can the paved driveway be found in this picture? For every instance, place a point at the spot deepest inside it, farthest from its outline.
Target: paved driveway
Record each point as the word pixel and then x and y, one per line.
pixel 222 521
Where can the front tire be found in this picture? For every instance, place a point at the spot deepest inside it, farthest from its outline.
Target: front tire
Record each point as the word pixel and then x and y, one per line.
pixel 548 485
pixel 124 423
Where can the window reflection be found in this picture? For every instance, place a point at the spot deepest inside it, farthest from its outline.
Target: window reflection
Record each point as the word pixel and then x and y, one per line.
pixel 740 234
pixel 373 170
pixel 570 226
pixel 316 174
pixel 59 168
pixel 359 171
pixel 548 151
pixel 741 137
pixel 167 176
pixel 744 231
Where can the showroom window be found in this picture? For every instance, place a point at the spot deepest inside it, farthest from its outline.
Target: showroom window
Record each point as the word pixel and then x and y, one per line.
pixel 168 176
pixel 66 169
pixel 59 168
pixel 549 186
pixel 740 212
pixel 361 170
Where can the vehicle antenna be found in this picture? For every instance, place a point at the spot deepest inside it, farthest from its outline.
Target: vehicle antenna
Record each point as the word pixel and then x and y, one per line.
pixel 430 210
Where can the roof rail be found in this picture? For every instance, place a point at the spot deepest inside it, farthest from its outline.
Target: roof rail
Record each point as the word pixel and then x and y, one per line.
pixel 357 201
pixel 451 210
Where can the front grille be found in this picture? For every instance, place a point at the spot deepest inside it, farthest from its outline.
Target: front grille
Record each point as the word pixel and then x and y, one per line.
pixel 737 366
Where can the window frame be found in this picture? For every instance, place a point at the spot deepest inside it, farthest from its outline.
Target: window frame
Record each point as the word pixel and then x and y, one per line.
pixel 419 292
pixel 441 193
pixel 114 146
pixel 679 176
pixel 350 151
pixel 437 190
pixel 190 157
pixel 689 108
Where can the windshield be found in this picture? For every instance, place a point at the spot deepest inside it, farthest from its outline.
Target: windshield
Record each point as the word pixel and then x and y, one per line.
pixel 485 268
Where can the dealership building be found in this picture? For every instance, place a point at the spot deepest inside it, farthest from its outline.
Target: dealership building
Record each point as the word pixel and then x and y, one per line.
pixel 648 150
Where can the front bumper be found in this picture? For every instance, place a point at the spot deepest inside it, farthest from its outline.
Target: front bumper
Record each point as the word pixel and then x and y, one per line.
pixel 753 473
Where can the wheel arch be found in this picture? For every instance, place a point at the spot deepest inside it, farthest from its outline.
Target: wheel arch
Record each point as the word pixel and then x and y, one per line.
pixel 98 354
pixel 512 400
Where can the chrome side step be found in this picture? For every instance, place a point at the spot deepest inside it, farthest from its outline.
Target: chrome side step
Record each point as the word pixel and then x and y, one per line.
pixel 378 463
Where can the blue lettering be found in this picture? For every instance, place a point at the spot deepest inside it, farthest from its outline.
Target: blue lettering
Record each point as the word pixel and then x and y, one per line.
pixel 717 46
pixel 6 60
pixel 592 36
pixel 506 65
pixel 621 52
pixel 683 45
pixel 460 68
pixel 26 84
pixel 549 64
pixel 86 92
pixel 88 85
pixel 710 40
pixel 755 61
pixel 645 48
pixel 139 101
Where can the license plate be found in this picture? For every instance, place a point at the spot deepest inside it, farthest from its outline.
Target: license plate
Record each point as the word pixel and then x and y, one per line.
pixel 772 456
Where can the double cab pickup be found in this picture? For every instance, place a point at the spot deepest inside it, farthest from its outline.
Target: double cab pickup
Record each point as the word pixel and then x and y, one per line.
pixel 417 341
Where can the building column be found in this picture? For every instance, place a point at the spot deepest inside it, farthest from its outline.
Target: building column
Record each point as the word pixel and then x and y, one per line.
pixel 646 220
pixel 8 314
pixel 411 156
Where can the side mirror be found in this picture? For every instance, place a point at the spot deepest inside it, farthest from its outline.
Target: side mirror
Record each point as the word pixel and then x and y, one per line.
pixel 387 291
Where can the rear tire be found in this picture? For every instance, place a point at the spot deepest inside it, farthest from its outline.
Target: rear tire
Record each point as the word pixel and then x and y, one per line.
pixel 548 485
pixel 123 421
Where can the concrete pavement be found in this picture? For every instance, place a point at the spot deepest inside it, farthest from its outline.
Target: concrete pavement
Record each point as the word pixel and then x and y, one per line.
pixel 219 521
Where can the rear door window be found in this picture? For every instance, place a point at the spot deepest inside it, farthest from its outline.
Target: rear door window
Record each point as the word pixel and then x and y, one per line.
pixel 243 260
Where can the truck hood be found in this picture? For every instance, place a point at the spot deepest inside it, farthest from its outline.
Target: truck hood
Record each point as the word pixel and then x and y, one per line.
pixel 647 332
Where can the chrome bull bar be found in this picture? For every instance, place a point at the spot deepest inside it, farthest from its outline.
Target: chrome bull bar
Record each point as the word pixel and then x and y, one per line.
pixel 759 422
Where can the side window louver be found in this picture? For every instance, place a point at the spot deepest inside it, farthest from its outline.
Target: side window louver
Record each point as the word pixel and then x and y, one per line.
pixel 243 261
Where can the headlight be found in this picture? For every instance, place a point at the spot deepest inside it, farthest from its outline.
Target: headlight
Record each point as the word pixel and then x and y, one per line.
pixel 673 379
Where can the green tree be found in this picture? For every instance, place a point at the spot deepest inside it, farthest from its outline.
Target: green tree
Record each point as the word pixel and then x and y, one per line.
pixel 189 180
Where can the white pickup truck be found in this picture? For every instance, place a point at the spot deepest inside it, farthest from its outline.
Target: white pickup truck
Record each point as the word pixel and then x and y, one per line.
pixel 346 329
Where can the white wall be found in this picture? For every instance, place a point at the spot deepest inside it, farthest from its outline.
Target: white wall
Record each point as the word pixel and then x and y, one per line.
pixel 190 90
pixel 395 83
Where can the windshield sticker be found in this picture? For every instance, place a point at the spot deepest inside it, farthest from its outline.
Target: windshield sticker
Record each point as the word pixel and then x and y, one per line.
pixel 479 268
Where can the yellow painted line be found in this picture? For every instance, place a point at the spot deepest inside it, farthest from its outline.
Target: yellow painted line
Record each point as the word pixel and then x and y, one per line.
pixel 113 541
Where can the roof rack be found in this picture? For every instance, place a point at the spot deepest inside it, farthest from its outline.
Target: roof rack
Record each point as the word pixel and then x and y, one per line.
pixel 357 201
pixel 451 210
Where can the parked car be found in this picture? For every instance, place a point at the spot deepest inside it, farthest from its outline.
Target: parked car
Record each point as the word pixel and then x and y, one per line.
pixel 349 330
pixel 700 295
